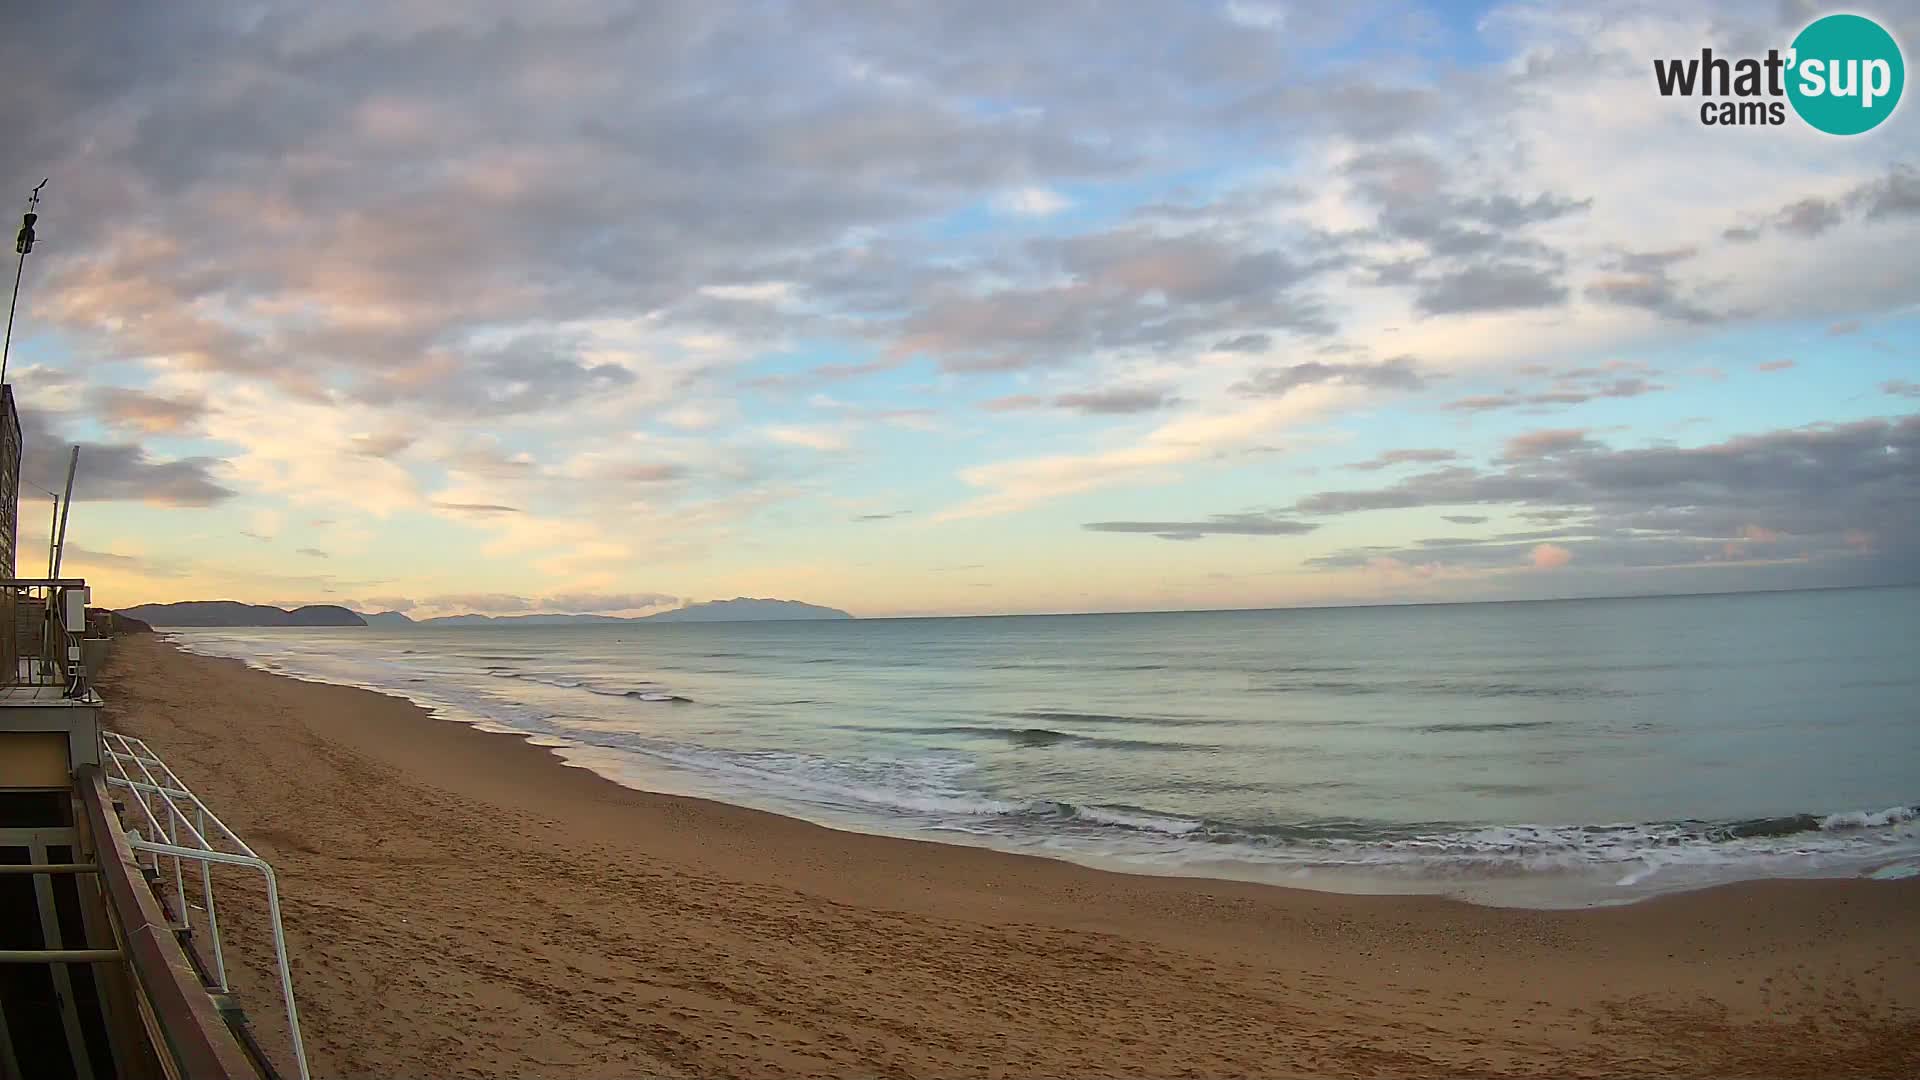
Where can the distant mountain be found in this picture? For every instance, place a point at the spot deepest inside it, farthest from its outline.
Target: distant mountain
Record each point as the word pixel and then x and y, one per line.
pixel 738 609
pixel 232 613
pixel 748 609
pixel 119 622
pixel 517 620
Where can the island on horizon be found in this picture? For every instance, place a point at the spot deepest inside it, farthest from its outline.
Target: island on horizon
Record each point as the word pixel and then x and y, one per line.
pixel 214 613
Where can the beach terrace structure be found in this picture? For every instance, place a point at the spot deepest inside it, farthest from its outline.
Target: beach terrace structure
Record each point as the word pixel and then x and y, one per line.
pixel 111 963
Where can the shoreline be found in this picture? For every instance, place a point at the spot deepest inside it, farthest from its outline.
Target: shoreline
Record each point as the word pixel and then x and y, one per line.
pixel 453 893
pixel 1568 887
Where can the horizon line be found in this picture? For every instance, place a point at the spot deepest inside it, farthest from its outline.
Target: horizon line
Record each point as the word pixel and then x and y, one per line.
pixel 1055 614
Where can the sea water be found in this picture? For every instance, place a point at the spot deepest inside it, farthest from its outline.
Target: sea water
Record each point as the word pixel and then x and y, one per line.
pixel 1547 754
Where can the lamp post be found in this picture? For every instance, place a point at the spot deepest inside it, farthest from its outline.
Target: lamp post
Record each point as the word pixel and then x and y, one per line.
pixel 53 522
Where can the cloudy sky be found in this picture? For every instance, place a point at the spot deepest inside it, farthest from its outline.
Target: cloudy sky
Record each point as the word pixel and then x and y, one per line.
pixel 951 307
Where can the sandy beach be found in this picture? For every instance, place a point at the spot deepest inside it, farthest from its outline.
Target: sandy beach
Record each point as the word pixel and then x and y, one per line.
pixel 461 904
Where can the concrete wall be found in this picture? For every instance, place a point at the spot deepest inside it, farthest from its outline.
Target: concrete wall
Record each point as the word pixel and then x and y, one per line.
pixel 93 653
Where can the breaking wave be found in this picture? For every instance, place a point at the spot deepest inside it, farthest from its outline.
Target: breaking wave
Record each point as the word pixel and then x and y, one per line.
pixel 651 692
pixel 1199 772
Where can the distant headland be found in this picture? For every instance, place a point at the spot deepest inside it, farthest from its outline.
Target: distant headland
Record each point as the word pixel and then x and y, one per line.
pixel 234 613
pixel 203 613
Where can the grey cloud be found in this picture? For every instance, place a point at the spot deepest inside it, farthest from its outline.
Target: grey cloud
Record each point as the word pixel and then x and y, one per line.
pixel 657 472
pixel 1901 388
pixel 1567 387
pixel 1014 403
pixel 1109 402
pixel 822 375
pixel 1652 262
pixel 84 55
pixel 1808 217
pixel 313 552
pixel 1398 373
pixel 1649 292
pixel 526 376
pixel 1844 328
pixel 1479 248
pixel 613 163
pixel 1403 457
pixel 1497 286
pixel 1457 484
pixel 1895 195
pixel 887 516
pixel 477 508
pixel 78 557
pixel 1395 272
pixel 1833 492
pixel 1508 212
pixel 363 169
pixel 1610 563
pixel 1460 553
pixel 1352 106
pixel 1547 443
pixel 1248 343
pixel 1123 288
pixel 1218 525
pixel 1464 519
pixel 1644 280
pixel 1118 400
pixel 148 412
pixel 117 470
pixel 1417 200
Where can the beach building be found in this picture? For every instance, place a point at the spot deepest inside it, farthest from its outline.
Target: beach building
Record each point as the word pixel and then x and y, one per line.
pixel 9 478
pixel 111 961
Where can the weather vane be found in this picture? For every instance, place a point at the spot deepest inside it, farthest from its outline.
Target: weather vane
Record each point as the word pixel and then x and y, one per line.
pixel 22 244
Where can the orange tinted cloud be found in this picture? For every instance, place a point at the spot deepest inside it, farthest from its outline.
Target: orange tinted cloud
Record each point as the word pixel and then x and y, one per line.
pixel 1550 557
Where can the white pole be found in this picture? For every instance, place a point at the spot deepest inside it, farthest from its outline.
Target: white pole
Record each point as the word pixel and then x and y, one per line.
pixel 66 507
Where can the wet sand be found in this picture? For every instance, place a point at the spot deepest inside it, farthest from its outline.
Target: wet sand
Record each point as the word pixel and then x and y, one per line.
pixel 461 904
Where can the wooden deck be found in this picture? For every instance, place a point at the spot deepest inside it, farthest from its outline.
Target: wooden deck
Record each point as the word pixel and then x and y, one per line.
pixel 39 696
pixel 36 683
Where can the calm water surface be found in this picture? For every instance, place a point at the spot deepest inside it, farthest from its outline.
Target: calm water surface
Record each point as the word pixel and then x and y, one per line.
pixel 1541 753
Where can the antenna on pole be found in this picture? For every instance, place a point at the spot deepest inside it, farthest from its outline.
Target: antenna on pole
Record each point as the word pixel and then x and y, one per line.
pixel 22 243
pixel 53 521
pixel 66 507
pixel 53 528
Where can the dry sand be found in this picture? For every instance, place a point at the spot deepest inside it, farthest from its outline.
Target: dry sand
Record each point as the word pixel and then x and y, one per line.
pixel 460 904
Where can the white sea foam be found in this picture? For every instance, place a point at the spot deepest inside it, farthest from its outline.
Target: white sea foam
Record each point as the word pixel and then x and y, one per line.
pixel 945 792
pixel 1862 819
pixel 1129 819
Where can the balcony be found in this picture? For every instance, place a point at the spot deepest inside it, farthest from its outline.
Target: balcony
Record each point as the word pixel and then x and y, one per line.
pixel 43 642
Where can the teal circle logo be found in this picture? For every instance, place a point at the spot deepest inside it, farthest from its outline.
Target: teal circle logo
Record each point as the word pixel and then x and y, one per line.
pixel 1846 74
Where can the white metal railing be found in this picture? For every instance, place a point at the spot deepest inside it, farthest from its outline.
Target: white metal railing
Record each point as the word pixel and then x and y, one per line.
pixel 193 833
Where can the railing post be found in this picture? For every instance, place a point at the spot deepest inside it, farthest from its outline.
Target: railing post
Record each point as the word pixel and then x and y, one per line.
pixel 286 969
pixel 118 750
pixel 179 876
pixel 213 916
